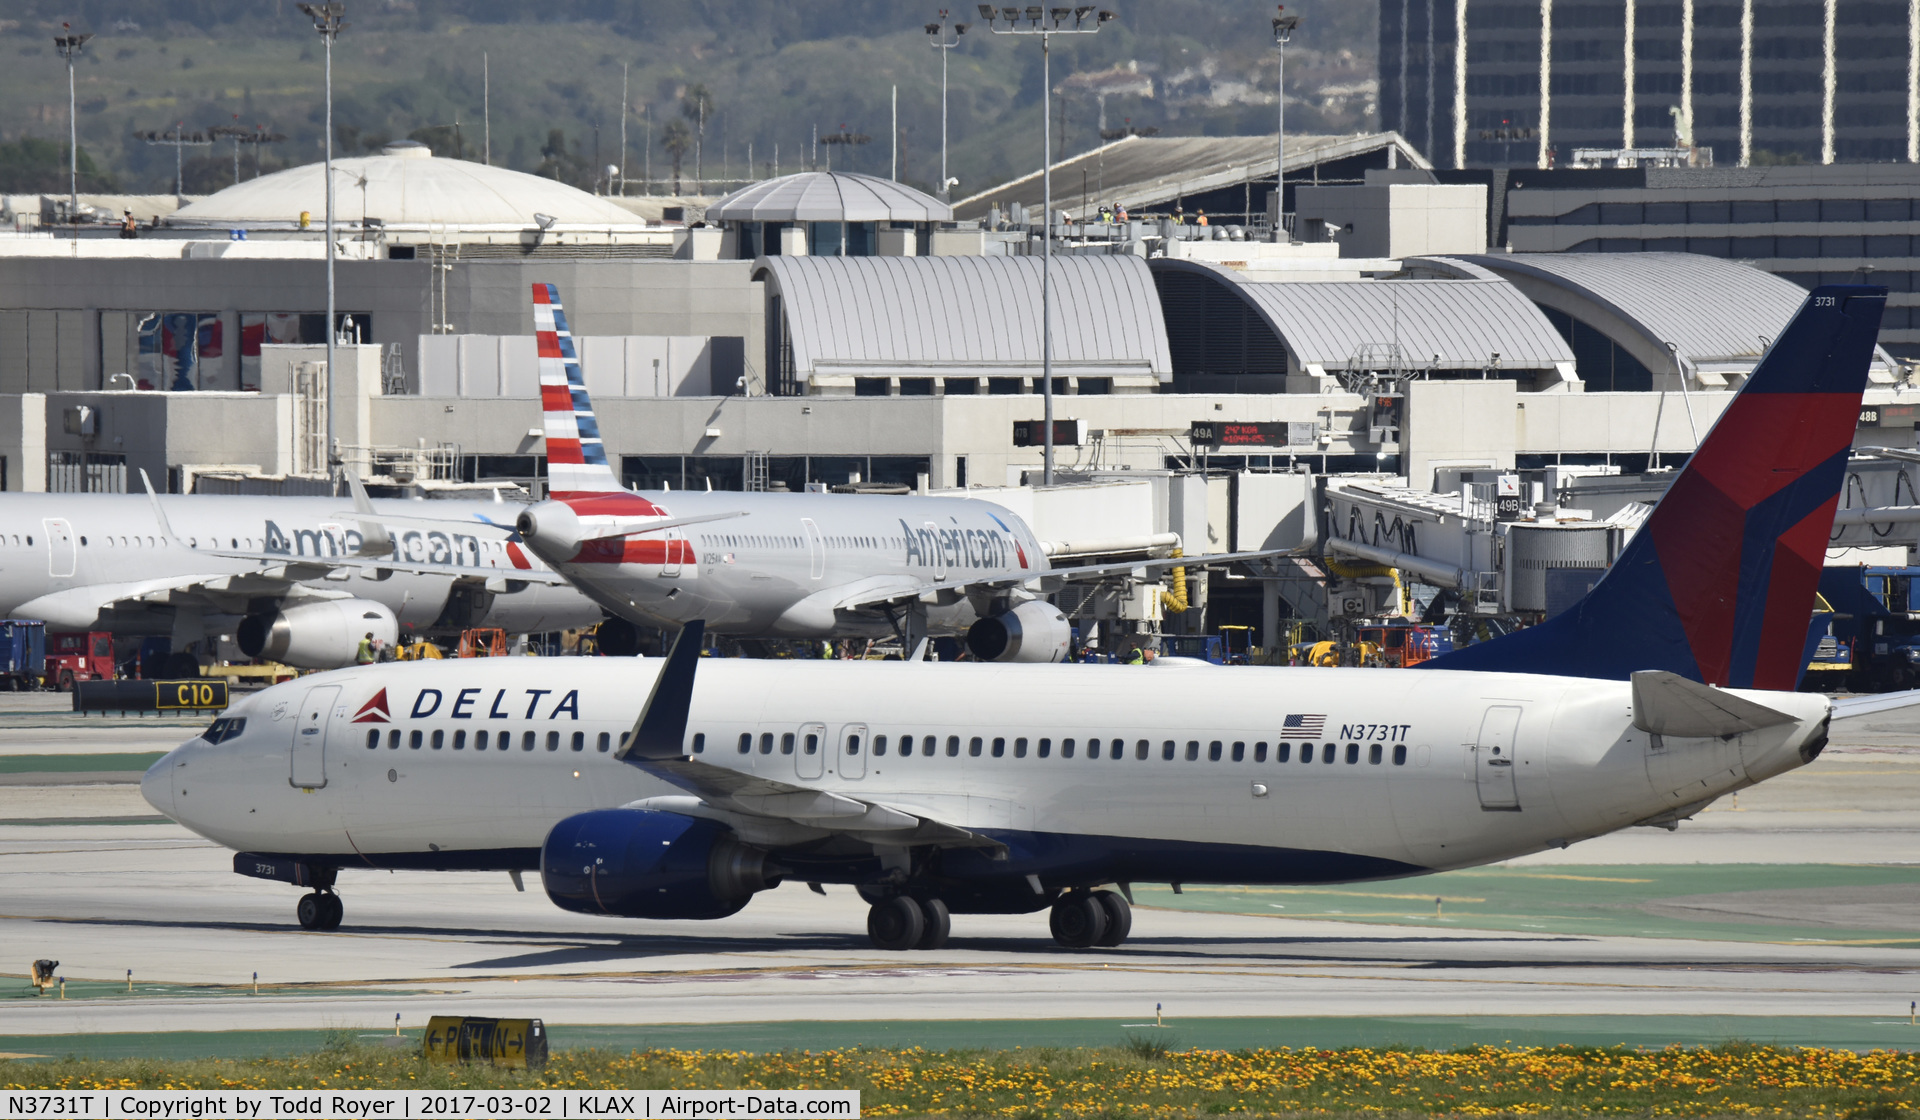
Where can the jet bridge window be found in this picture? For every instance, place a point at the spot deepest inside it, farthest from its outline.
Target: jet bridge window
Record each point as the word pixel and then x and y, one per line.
pixel 439 740
pixel 1399 754
pixel 1373 754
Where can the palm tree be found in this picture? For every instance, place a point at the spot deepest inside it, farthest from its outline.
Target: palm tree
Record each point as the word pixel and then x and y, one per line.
pixel 697 106
pixel 677 140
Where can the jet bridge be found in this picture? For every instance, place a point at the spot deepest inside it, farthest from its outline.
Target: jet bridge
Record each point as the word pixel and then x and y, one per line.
pixel 1502 555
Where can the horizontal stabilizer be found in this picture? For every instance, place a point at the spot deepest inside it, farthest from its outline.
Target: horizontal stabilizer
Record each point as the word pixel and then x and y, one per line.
pixel 1670 704
pixel 1854 706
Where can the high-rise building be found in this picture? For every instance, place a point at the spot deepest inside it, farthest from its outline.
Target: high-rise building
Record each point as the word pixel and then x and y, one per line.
pixel 1523 83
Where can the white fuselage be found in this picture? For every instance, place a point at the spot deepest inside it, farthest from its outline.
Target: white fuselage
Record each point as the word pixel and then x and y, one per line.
pixel 796 565
pixel 103 561
pixel 1196 776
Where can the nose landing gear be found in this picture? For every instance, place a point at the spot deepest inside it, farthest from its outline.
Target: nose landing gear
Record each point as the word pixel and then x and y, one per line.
pixel 321 911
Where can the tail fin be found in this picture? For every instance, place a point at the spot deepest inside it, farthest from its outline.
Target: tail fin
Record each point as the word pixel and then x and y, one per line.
pixel 576 459
pixel 1718 585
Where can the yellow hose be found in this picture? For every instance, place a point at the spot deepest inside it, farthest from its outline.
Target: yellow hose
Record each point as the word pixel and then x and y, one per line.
pixel 1175 601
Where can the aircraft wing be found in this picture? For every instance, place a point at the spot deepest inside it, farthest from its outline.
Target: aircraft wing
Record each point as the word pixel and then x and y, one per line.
pixel 77 608
pixel 1853 706
pixel 656 746
pixel 732 791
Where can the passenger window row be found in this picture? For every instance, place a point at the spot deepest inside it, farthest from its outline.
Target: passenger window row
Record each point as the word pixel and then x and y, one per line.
pixel 977 746
pixel 439 739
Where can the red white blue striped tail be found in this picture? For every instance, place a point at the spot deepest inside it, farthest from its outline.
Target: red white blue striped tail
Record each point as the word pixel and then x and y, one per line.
pixel 576 459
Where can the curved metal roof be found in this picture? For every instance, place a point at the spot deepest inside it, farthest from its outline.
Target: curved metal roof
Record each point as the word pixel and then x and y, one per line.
pixel 829 196
pixel 1439 324
pixel 968 316
pixel 404 186
pixel 1713 311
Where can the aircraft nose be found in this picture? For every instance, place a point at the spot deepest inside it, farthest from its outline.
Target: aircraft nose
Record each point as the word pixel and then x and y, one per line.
pixel 157 785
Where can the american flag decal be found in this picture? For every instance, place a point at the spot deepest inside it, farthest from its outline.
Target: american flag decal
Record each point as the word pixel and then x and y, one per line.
pixel 1305 725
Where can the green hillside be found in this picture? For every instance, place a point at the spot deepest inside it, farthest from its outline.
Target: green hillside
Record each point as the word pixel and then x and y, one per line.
pixel 774 73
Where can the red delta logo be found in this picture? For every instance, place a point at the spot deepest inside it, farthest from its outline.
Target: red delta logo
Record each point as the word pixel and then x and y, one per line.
pixel 374 710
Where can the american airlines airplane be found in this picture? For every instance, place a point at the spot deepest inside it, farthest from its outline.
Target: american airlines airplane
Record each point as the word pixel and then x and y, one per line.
pixel 989 788
pixel 783 565
pixel 295 579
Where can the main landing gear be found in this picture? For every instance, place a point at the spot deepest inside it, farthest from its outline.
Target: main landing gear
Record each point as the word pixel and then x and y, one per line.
pixel 903 922
pixel 321 910
pixel 1081 919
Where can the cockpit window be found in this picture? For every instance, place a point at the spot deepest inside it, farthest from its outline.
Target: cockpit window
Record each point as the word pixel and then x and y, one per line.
pixel 224 728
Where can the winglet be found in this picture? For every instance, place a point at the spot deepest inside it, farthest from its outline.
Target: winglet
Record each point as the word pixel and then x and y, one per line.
pixel 374 539
pixel 1670 704
pixel 159 514
pixel 661 732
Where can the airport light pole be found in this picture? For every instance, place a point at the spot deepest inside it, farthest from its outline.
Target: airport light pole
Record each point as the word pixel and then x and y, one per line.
pixel 329 20
pixel 1284 26
pixel 69 44
pixel 937 39
pixel 1046 23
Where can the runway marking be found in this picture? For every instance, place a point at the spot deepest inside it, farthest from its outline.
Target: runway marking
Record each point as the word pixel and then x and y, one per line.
pixel 1313 890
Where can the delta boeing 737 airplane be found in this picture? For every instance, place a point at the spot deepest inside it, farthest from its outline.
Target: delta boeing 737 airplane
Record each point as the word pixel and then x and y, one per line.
pixel 678 787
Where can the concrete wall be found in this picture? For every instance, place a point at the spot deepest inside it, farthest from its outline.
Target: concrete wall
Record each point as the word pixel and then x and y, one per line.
pixel 1395 219
pixel 23 440
pixel 158 430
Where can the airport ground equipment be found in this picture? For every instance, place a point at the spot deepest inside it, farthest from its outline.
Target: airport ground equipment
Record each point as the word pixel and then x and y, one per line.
pixel 23 655
pixel 1233 645
pixel 486 642
pixel 200 695
pixel 504 1043
pixel 1876 620
pixel 1404 645
pixel 41 976
pixel 78 655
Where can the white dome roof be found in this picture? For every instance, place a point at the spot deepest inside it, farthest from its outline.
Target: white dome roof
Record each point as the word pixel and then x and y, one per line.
pixel 829 196
pixel 403 186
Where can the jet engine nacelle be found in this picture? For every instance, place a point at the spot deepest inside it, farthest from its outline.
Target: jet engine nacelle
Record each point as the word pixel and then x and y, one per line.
pixel 317 635
pixel 1034 632
pixel 550 528
pixel 644 863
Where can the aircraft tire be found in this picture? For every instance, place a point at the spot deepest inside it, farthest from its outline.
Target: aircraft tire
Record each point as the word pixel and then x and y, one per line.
pixel 1078 921
pixel 312 911
pixel 939 924
pixel 896 924
pixel 1119 918
pixel 334 911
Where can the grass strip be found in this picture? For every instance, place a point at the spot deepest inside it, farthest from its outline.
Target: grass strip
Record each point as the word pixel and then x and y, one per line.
pixel 1150 1075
